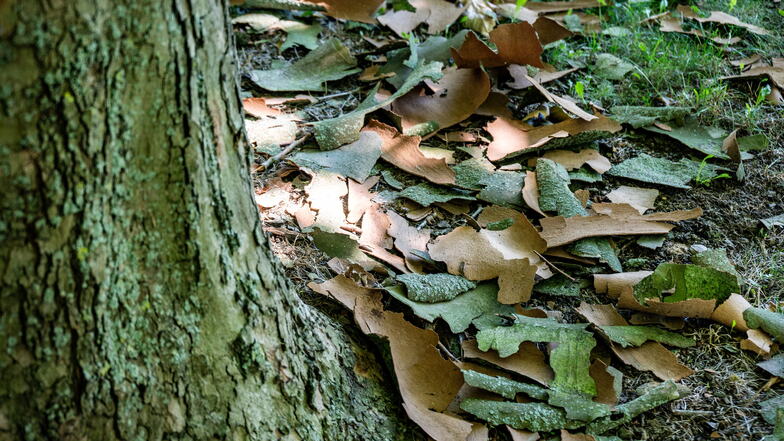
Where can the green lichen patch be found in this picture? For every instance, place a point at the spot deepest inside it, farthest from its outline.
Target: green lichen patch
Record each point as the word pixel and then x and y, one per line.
pixel 558 285
pixel 627 336
pixel 554 192
pixel 651 241
pixel 354 160
pixel 642 116
pixel 716 258
pixel 769 321
pixel 434 48
pixel 525 416
pixel 332 133
pixel 460 311
pixel 503 188
pixel 330 61
pixel 655 397
pixel 427 194
pixel 768 408
pixel 646 168
pixel 597 248
pixel 686 281
pixel 500 225
pixel 470 173
pixel 503 386
pixel 707 140
pixel 570 360
pixel 585 175
pixel 578 407
pixel 434 288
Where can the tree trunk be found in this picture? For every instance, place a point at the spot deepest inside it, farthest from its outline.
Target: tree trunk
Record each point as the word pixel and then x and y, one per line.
pixel 138 297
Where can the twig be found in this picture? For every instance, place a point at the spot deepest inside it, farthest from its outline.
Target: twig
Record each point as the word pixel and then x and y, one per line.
pixel 282 154
pixel 445 350
pixel 335 95
pixel 552 265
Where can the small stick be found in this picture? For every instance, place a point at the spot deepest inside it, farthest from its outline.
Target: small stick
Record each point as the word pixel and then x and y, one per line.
pixel 335 95
pixel 552 265
pixel 282 154
pixel 448 354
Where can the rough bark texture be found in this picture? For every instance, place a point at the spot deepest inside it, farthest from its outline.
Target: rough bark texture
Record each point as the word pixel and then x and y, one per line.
pixel 138 299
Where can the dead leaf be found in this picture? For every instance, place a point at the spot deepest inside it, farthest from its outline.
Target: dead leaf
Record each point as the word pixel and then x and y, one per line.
pixel 513 137
pixel 550 30
pixel 610 220
pixel 746 62
pixel 516 43
pixel 460 93
pixel 642 199
pixel 651 356
pixel 403 152
pixel 426 380
pixel 258 107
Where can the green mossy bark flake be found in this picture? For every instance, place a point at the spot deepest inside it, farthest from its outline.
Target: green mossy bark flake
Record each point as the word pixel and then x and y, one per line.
pixel 139 298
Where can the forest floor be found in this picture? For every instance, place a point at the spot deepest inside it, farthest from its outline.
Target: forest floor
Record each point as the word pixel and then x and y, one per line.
pixel 667 68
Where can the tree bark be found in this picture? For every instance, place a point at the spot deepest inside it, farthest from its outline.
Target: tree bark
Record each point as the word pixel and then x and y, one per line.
pixel 138 297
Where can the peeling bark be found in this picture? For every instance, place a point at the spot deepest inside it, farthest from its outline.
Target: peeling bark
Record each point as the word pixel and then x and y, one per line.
pixel 138 297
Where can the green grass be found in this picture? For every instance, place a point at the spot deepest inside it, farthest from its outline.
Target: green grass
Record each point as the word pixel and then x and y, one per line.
pixel 682 68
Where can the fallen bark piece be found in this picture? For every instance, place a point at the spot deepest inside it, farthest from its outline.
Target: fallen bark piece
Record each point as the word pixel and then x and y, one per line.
pixel 774 366
pixel 570 361
pixel 359 198
pixel 720 18
pixel 516 43
pixel 668 23
pixel 646 168
pixel 774 71
pixel 353 160
pixel 627 336
pixel 460 93
pixel 522 435
pixel 573 160
pixel 434 288
pixel 528 361
pixel 708 140
pixel 642 116
pixel 685 281
pixel 461 310
pixel 544 75
pixel 609 382
pixel 758 342
pixel 647 318
pixel 769 321
pixel 525 416
pixel 502 188
pixel 403 152
pixel 531 192
pixel 374 239
pixel 564 102
pixel 611 67
pixel 408 240
pixel 642 199
pixel 331 61
pixel 617 221
pixel 502 386
pixel 332 133
pixel 664 393
pixel 428 194
pixel 566 436
pixel 650 356
pixel 730 312
pixel 426 380
pixel 473 255
pixel 513 137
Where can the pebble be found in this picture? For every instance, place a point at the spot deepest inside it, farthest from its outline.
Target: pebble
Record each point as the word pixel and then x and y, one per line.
pixel 699 248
